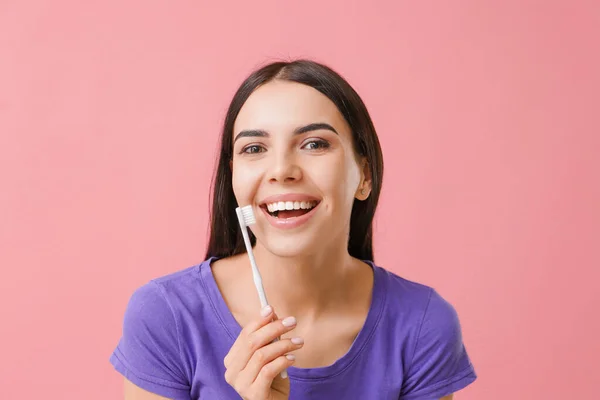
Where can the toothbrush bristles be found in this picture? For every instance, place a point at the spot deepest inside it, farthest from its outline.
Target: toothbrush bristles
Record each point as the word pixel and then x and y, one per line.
pixel 248 214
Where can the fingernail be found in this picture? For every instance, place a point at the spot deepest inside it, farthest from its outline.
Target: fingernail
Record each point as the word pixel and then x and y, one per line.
pixel 289 321
pixel 266 311
pixel 290 357
pixel 297 340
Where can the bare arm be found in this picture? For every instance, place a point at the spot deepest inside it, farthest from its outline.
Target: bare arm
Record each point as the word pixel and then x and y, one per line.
pixel 133 392
pixel 449 397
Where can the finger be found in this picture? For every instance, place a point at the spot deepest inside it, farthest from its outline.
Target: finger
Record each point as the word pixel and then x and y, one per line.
pixel 234 363
pixel 265 318
pixel 265 355
pixel 259 338
pixel 270 332
pixel 255 340
pixel 271 370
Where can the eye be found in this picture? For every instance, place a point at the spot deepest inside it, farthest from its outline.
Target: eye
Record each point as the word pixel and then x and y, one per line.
pixel 253 149
pixel 318 144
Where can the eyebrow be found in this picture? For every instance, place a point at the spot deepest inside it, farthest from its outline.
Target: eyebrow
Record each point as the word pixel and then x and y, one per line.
pixel 298 131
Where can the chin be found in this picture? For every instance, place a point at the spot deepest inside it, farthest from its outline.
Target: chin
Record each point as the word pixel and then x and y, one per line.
pixel 292 246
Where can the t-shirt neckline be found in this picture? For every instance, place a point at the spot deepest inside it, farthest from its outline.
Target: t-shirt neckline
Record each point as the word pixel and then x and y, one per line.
pixel 233 328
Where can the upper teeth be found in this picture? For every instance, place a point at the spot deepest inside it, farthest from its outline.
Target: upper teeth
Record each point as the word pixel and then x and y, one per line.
pixel 291 205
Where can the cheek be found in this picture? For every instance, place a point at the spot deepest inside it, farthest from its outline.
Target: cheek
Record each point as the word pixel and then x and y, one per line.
pixel 338 179
pixel 245 181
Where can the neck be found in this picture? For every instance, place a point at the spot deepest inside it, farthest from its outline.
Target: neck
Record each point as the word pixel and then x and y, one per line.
pixel 305 286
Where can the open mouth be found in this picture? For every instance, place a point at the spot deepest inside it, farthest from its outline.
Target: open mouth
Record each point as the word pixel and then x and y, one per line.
pixel 289 209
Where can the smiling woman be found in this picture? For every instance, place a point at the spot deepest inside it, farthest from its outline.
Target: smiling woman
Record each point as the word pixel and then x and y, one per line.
pixel 299 147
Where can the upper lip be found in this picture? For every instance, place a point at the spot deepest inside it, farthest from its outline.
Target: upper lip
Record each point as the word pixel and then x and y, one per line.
pixel 288 197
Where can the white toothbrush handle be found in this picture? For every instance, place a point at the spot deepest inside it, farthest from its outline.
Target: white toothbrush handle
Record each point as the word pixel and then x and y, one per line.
pixel 258 281
pixel 255 272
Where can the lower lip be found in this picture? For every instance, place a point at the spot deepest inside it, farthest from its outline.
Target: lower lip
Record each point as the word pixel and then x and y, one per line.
pixel 289 223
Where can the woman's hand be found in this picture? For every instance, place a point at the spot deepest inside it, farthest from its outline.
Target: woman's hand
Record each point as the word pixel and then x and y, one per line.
pixel 255 361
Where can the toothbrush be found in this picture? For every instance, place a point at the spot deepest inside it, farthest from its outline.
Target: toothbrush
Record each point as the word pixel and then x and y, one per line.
pixel 246 218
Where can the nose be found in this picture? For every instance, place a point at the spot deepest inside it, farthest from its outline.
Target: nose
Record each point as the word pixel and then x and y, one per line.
pixel 285 169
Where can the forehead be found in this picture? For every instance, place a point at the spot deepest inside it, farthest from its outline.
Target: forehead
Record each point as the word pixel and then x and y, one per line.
pixel 282 105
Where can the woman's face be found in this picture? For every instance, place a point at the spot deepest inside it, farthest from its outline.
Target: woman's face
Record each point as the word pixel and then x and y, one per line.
pixel 294 162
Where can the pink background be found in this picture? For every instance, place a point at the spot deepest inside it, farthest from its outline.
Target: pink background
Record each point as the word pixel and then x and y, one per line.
pixel 487 113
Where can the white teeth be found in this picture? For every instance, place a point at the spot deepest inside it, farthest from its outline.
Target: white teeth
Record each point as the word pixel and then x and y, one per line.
pixel 290 205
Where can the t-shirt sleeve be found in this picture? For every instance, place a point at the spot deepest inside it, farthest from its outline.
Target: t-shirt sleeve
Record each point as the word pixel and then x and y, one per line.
pixel 148 353
pixel 440 364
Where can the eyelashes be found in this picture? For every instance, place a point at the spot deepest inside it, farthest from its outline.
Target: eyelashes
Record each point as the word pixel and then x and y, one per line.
pixel 256 148
pixel 318 144
pixel 313 145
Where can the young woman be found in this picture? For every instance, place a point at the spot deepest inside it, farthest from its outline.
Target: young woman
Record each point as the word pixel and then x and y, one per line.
pixel 298 145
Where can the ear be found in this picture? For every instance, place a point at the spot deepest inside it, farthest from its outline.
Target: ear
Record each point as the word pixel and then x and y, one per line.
pixel 231 165
pixel 365 186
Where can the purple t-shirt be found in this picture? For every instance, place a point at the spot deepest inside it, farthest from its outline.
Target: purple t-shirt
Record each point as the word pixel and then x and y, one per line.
pixel 177 330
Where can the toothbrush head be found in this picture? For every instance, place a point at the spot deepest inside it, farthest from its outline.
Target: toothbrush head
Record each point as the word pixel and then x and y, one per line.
pixel 245 216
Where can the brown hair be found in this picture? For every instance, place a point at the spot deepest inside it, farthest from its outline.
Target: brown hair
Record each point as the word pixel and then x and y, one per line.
pixel 225 236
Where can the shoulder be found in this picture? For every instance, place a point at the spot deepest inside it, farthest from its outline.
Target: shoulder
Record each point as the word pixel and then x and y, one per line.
pixel 404 294
pixel 152 352
pixel 179 280
pixel 419 305
pixel 158 300
pixel 176 297
pixel 433 356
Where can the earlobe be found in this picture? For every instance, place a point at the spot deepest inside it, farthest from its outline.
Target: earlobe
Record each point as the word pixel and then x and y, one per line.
pixel 364 189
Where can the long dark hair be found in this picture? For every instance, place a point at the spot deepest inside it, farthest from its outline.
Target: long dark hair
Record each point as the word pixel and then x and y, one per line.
pixel 225 236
